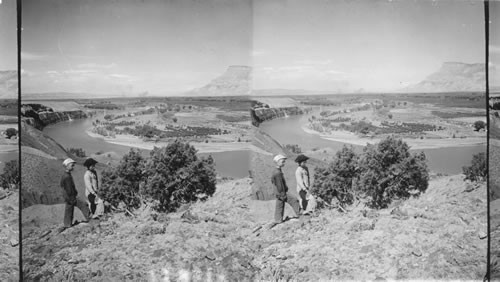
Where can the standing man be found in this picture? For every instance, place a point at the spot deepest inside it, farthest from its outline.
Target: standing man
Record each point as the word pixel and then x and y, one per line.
pixel 91 187
pixel 279 183
pixel 70 195
pixel 306 200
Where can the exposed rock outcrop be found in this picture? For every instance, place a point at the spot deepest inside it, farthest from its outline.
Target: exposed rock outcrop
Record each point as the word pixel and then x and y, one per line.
pixel 42 119
pixel 55 117
pixel 260 115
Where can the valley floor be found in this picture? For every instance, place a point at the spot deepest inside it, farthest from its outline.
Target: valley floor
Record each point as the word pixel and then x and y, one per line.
pixel 414 143
pixel 441 235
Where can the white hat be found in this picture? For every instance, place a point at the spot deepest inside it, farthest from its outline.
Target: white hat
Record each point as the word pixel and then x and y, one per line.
pixel 278 157
pixel 68 161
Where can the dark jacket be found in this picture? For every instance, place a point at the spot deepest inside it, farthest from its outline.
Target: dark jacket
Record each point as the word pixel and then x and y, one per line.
pixel 279 183
pixel 68 186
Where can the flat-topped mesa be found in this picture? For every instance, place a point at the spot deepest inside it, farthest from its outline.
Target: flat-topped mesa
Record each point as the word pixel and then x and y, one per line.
pixel 461 68
pixel 234 81
pixel 8 84
pixel 453 77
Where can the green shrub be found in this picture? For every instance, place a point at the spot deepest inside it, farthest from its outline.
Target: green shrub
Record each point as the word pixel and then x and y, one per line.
pixel 388 171
pixel 10 174
pixel 121 183
pixel 79 152
pixel 171 176
pixel 175 176
pixel 293 148
pixel 478 125
pixel 478 169
pixel 335 180
pixel 10 132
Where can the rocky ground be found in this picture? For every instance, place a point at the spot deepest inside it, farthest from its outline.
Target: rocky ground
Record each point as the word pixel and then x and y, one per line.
pixel 495 240
pixel 441 235
pixel 494 190
pixel 9 235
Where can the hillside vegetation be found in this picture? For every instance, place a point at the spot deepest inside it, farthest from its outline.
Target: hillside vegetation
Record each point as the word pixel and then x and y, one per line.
pixel 440 235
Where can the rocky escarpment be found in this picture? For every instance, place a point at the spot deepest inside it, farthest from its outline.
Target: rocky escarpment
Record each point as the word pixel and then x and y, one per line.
pixel 260 115
pixel 42 119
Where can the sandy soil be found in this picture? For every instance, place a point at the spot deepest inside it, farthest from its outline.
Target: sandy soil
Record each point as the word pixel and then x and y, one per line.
pixel 9 148
pixel 440 235
pixel 202 147
pixel 427 143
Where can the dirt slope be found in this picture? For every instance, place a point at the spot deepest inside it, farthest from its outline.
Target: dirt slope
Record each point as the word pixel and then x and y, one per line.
pixel 9 235
pixel 440 235
pixel 34 138
pixel 262 165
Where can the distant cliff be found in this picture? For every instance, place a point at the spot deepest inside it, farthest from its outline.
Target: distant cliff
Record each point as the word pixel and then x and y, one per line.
pixel 41 119
pixel 260 115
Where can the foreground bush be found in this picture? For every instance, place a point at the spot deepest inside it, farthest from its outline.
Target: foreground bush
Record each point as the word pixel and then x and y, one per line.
pixel 478 169
pixel 10 175
pixel 174 175
pixel 335 180
pixel 382 173
pixel 171 176
pixel 388 171
pixel 121 183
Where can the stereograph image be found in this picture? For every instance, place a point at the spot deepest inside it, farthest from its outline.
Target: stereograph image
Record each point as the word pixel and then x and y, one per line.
pixel 243 140
pixel 9 147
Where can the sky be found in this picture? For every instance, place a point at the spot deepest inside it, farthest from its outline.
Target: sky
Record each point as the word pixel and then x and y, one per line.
pixel 129 47
pixel 365 45
pixel 8 36
pixel 494 42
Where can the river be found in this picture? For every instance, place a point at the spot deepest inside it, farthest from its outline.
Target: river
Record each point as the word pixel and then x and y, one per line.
pixel 236 164
pixel 443 160
pixel 71 134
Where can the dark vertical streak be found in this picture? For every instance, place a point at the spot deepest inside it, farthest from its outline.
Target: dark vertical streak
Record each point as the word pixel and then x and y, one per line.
pixel 19 27
pixel 486 34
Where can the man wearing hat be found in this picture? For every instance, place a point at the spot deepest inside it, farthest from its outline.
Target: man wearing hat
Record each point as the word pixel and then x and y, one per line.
pixel 70 194
pixel 279 183
pixel 91 187
pixel 306 200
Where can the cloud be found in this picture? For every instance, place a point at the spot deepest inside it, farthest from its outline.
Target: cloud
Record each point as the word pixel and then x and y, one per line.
pixel 259 53
pixel 96 66
pixel 79 72
pixel 33 56
pixel 301 72
pixel 314 62
pixel 120 76
pixel 494 49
